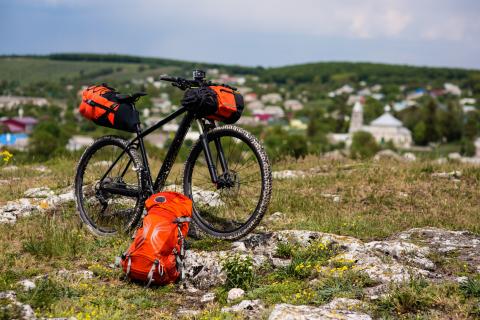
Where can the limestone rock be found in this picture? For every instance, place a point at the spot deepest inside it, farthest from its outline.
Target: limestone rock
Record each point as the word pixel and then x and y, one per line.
pixel 388 154
pixel 41 192
pixel 234 294
pixel 288 174
pixel 409 156
pixel 14 309
pixel 335 155
pixel 207 297
pixel 250 308
pixel 276 216
pixel 27 285
pixel 291 312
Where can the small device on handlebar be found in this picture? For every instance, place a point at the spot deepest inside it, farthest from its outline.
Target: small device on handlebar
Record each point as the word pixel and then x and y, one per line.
pixel 199 75
pixel 198 81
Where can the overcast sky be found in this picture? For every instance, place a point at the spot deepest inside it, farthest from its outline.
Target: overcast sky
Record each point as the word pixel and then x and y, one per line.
pixel 250 32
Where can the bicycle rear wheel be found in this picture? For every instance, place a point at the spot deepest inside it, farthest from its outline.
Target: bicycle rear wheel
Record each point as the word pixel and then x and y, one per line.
pixel 235 205
pixel 106 212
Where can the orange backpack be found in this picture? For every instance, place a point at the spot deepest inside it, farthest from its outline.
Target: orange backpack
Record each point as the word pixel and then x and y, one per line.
pixel 157 252
pixel 99 104
pixel 230 105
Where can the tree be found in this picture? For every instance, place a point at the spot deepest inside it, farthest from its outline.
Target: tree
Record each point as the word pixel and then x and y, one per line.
pixel 450 122
pixel 372 110
pixel 47 138
pixel 420 133
pixel 363 145
pixel 467 147
pixel 430 121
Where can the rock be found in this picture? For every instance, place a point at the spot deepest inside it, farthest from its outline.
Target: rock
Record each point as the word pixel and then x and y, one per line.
pixel 276 216
pixel 234 294
pixel 239 246
pixel 441 160
pixel 13 309
pixel 335 155
pixel 462 279
pixel 453 175
pixel 280 263
pixel 207 297
pixel 203 269
pixel 79 274
pixel 334 197
pixel 41 192
pixel 291 312
pixel 409 156
pixel 10 168
pixel 27 285
pixel 188 313
pixel 288 174
pixel 250 308
pixel 388 154
pixel 455 156
pixel 42 169
pixel 206 197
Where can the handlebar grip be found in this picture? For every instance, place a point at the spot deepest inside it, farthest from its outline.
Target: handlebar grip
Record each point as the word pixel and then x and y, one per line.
pixel 168 78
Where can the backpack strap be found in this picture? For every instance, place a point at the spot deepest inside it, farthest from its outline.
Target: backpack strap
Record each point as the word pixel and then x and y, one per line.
pixel 151 272
pixel 129 266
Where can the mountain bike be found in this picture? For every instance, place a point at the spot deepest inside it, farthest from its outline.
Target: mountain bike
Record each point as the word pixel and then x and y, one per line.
pixel 227 174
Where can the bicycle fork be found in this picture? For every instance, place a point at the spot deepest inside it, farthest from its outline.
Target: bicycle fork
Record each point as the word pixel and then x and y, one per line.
pixel 218 181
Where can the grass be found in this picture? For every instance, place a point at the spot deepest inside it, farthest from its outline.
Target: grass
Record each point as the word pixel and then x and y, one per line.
pixel 377 199
pixel 419 299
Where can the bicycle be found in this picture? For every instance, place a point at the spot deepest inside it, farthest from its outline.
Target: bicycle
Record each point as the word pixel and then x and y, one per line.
pixel 230 185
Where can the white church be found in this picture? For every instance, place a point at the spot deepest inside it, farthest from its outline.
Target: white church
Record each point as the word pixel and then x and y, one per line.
pixel 385 128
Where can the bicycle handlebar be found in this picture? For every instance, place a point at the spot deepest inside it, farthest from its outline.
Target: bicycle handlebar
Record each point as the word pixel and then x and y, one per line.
pixel 184 84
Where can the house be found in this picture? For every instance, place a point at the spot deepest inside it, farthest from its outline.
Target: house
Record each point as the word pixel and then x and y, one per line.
pixel 19 124
pixel 9 102
pixel 346 89
pixel 477 148
pixel 293 105
pixel 452 89
pixel 248 121
pixel 157 139
pixel 14 140
pixel 250 97
pixel 76 143
pixel 255 105
pixel 275 111
pixel 418 93
pixel 385 128
pixel 468 101
pixel 271 98
pixel 298 124
pixel 162 104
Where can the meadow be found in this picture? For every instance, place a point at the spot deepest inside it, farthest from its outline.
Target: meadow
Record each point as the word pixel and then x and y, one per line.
pixel 368 200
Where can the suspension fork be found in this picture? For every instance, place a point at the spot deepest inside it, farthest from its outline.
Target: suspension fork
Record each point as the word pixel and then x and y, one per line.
pixel 208 154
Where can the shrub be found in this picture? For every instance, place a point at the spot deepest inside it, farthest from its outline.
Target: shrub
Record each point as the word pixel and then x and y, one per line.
pixel 409 297
pixel 471 287
pixel 467 147
pixel 363 145
pixel 239 271
pixel 47 291
pixel 55 238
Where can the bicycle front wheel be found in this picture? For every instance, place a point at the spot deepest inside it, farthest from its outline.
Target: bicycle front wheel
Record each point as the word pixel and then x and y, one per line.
pixel 232 207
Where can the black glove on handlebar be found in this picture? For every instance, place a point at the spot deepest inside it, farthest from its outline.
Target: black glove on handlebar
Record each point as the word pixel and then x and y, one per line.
pixel 202 101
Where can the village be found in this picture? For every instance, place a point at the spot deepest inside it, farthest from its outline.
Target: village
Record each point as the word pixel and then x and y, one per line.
pixel 274 107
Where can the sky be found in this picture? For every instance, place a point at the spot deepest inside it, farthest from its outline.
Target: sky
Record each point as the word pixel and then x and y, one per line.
pixel 250 32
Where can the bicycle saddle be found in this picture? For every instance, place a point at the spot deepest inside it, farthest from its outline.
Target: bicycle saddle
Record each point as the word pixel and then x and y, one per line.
pixel 127 98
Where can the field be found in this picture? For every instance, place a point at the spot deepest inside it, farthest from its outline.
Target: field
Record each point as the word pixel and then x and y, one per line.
pixel 367 200
pixel 29 71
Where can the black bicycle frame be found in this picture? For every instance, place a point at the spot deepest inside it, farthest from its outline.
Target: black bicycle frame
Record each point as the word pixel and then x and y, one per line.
pixel 170 158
